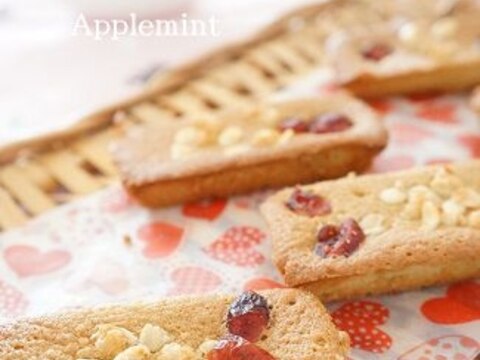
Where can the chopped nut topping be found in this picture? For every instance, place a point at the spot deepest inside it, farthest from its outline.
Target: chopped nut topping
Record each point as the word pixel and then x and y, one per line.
pixel 474 219
pixel 425 193
pixel 191 136
pixel 444 183
pixel 137 352
pixel 265 137
pixel 452 212
pixel 430 215
pixel 468 197
pixel 230 136
pixel 175 351
pixel 285 137
pixel 110 340
pixel 409 33
pixel 413 208
pixel 444 28
pixel 154 337
pixel 393 196
pixel 372 224
pixel 205 348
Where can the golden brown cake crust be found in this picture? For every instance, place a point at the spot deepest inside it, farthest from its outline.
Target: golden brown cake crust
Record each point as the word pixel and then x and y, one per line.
pixel 155 179
pixel 431 47
pixel 442 78
pixel 300 327
pixel 475 100
pixel 397 248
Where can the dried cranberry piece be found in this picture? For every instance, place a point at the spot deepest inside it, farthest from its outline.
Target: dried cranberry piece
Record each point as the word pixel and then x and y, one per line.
pixel 248 316
pixel 307 203
pixel 296 124
pixel 330 122
pixel 327 233
pixel 377 51
pixel 339 241
pixel 233 347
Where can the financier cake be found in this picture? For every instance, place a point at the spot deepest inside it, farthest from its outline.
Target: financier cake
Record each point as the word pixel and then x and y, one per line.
pixel 377 234
pixel 271 145
pixel 284 324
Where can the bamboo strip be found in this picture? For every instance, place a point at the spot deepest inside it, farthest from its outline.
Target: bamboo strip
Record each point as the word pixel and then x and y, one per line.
pixel 242 75
pixel 25 191
pixel 37 174
pixel 10 213
pixel 288 56
pixel 219 95
pixel 66 167
pixel 96 150
pixel 187 103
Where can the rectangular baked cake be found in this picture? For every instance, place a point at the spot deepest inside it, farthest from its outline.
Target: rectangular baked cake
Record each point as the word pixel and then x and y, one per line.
pixel 377 234
pixel 282 324
pixel 406 46
pixel 267 146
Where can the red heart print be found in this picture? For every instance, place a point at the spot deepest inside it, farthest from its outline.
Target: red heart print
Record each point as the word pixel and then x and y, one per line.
pixel 236 246
pixel 193 280
pixel 460 305
pixel 12 301
pixel 407 133
pixel 383 163
pixel 262 283
pixel 452 347
pixel 440 113
pixel 206 209
pixel 27 260
pixel 162 239
pixel 472 143
pixel 360 319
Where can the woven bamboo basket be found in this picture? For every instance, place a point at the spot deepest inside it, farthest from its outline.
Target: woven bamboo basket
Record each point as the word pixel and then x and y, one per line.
pixel 39 174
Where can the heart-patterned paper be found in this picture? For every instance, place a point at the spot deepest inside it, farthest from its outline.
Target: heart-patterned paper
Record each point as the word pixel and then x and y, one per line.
pixel 237 247
pixel 12 301
pixel 206 209
pixel 452 347
pixel 118 250
pixel 262 283
pixel 437 112
pixel 385 163
pixel 117 201
pixel 26 260
pixel 361 320
pixel 110 277
pixel 161 239
pixel 471 143
pixel 409 133
pixel 461 304
pixel 193 280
